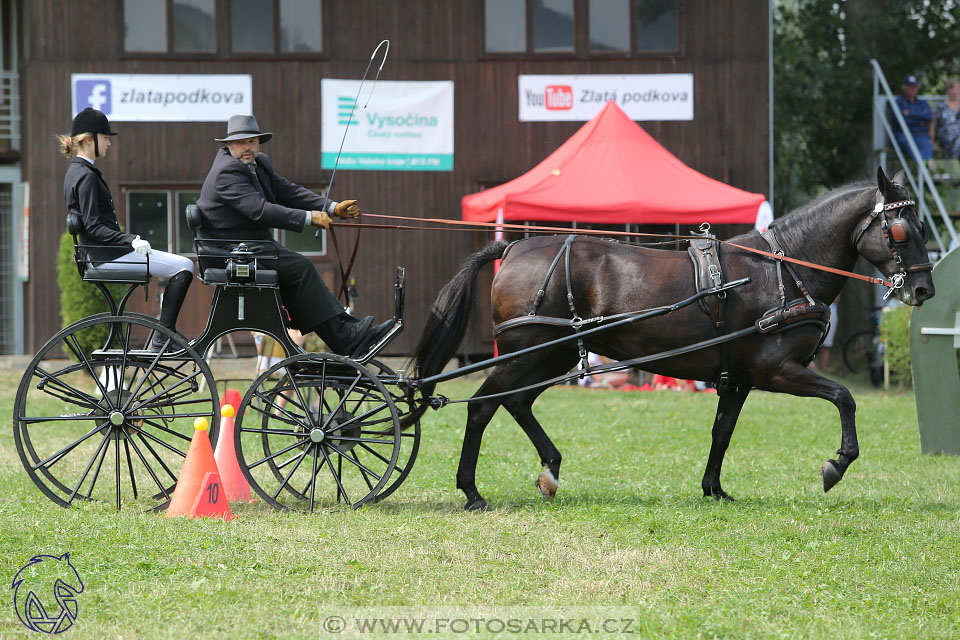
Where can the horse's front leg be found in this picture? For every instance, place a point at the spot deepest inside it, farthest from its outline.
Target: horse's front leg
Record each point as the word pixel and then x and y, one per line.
pixel 728 412
pixel 796 379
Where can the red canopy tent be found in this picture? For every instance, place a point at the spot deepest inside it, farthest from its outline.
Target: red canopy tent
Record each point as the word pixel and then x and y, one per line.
pixel 612 172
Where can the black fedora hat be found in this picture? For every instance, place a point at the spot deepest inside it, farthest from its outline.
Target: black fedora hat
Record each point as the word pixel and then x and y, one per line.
pixel 242 127
pixel 91 121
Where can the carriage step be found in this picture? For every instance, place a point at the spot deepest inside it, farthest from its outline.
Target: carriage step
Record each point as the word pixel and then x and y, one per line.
pixel 106 354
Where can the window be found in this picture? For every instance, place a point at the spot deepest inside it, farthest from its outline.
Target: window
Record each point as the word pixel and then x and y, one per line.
pixel 505 26
pixel 581 27
pixel 191 26
pixel 160 217
pixel 657 25
pixel 552 26
pixel 252 26
pixel 608 31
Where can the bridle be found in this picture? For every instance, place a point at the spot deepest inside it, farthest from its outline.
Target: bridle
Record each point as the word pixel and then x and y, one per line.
pixel 896 234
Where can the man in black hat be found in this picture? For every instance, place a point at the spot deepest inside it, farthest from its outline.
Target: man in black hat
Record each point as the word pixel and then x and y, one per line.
pixel 243 198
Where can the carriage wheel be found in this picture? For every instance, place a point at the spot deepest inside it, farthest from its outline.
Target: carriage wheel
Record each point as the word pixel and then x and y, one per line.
pixel 97 417
pixel 409 438
pixel 326 432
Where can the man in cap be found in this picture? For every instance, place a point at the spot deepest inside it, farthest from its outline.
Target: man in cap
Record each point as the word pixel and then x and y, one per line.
pixel 243 198
pixel 919 118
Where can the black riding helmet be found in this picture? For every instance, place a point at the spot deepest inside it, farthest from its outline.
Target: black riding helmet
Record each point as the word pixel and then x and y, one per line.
pixel 92 121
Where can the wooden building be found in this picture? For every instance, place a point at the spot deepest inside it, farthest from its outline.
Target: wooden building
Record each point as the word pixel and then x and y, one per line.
pixel 288 47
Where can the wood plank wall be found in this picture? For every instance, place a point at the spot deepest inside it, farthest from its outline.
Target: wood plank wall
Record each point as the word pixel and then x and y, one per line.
pixel 724 44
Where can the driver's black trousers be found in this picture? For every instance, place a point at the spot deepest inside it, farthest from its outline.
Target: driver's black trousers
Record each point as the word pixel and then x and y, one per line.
pixel 304 293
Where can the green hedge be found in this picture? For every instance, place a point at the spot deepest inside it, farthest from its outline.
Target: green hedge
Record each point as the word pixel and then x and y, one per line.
pixel 895 332
pixel 79 299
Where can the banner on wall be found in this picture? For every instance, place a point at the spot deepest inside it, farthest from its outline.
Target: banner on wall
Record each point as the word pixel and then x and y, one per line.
pixel 163 97
pixel 407 126
pixel 663 96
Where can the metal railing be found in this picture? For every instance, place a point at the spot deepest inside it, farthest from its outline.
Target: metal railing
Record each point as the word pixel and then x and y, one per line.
pixel 918 175
pixel 9 111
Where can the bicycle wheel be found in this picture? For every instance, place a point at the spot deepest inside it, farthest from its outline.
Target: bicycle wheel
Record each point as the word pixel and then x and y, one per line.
pixel 113 422
pixel 860 353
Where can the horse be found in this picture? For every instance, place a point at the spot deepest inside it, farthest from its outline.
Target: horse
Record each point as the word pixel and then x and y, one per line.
pixel 605 278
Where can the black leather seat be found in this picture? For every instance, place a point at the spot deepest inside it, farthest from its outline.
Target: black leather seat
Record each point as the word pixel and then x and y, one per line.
pixel 213 255
pixel 136 273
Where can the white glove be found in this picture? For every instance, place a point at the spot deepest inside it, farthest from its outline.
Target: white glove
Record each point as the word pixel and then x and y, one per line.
pixel 141 246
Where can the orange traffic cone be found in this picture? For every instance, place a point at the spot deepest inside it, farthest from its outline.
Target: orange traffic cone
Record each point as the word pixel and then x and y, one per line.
pixel 234 483
pixel 198 491
pixel 232 398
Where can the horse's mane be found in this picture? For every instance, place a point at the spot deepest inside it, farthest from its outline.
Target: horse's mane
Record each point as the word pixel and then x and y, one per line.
pixel 814 224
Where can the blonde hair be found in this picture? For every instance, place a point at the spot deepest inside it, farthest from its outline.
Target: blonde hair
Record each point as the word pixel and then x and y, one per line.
pixel 952 82
pixel 69 145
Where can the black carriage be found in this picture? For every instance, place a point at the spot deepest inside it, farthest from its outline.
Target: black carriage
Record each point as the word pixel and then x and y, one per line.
pixel 100 415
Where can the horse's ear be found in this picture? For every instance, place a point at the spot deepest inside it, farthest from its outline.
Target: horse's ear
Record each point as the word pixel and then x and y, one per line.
pixel 900 178
pixel 882 183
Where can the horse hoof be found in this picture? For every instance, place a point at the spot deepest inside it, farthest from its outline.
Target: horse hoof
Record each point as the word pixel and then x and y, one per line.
pixel 547 484
pixel 477 505
pixel 831 474
pixel 721 495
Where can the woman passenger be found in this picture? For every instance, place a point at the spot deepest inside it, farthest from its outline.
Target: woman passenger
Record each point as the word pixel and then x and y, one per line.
pixel 87 195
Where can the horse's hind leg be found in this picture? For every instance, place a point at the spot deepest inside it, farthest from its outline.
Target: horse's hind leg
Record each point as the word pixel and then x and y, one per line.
pixel 514 374
pixel 520 407
pixel 796 379
pixel 728 411
pixel 479 414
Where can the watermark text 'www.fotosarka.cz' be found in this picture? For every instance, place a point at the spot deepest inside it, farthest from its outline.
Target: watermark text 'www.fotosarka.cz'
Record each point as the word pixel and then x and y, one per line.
pixel 468 620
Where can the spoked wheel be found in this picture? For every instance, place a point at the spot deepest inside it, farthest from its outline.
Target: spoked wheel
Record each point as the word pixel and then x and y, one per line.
pixel 325 433
pixel 409 437
pixel 98 417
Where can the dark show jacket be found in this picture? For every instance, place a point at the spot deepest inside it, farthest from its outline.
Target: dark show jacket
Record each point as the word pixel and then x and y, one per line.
pixel 235 206
pixel 87 195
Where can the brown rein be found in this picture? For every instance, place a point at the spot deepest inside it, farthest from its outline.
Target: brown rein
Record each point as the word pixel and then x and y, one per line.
pixel 446 225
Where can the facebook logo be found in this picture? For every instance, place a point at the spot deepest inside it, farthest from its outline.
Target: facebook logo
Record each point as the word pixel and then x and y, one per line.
pixel 94 93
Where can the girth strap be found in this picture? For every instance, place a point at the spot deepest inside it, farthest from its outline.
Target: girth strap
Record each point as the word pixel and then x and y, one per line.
pixel 775 247
pixel 575 321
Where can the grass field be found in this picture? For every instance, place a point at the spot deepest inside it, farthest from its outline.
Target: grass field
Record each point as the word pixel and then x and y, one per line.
pixel 629 533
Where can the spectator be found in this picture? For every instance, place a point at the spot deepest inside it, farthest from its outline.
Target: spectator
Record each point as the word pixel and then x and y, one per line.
pixel 918 117
pixel 948 120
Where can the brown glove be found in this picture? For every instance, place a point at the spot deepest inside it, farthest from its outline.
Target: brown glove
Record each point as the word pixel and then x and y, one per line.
pixel 347 209
pixel 320 219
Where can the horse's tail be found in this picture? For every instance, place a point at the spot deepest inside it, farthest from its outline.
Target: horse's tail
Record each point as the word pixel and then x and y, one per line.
pixel 450 313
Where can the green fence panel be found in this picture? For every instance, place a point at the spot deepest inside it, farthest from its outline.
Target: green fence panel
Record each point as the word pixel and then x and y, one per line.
pixel 934 340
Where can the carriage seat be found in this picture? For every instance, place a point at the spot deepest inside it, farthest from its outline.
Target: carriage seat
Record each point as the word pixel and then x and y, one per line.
pixel 232 263
pixel 135 273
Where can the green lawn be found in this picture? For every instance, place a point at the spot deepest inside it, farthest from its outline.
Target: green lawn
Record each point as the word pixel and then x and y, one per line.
pixel 629 533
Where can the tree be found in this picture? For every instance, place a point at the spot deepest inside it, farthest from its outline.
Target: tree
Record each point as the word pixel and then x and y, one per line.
pixel 823 81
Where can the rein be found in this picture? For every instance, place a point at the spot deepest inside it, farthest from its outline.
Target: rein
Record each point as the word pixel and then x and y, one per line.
pixel 449 225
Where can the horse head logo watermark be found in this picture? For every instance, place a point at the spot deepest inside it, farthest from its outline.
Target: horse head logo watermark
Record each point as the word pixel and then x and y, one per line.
pixel 45 593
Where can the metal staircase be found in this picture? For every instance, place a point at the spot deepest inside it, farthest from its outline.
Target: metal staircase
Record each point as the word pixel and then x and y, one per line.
pixel 920 181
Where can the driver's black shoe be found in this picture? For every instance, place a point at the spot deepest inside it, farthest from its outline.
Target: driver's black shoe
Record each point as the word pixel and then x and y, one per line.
pixel 352 335
pixel 374 335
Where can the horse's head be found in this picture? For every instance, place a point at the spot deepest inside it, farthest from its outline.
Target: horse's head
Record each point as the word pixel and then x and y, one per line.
pixel 893 238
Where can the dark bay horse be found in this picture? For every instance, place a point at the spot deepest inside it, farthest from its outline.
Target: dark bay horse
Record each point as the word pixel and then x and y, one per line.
pixel 608 278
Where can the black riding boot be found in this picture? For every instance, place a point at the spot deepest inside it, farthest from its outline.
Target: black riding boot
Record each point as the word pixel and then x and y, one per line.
pixel 173 297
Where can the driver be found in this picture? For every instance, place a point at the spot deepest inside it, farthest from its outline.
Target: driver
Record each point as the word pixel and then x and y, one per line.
pixel 243 198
